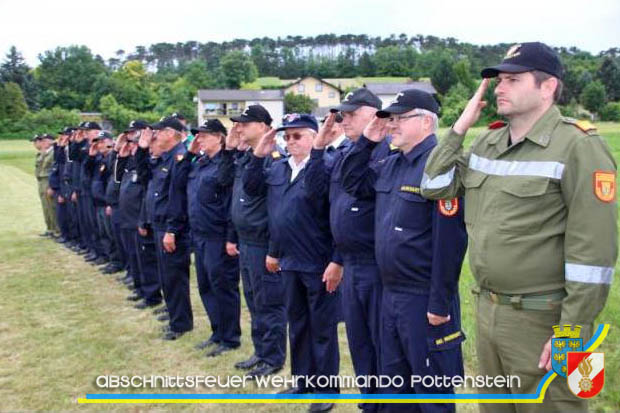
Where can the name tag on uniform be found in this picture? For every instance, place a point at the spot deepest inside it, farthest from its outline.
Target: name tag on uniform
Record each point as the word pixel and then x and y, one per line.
pixel 411 189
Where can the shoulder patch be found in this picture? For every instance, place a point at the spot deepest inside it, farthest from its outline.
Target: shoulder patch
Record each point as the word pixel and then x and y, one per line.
pixel 448 207
pixel 180 157
pixel 605 185
pixel 583 125
pixel 497 124
pixel 275 155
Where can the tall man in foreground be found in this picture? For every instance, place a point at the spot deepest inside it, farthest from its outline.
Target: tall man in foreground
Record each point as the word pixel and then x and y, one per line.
pixel 541 215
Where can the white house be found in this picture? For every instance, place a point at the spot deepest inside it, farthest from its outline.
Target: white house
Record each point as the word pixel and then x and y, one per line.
pixel 223 103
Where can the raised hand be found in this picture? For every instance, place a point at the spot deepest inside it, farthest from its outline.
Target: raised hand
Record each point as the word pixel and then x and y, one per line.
pixel 265 145
pixel 233 138
pixel 376 130
pixel 471 113
pixel 120 141
pixel 92 149
pixel 324 136
pixel 146 137
pixel 194 147
pixel 124 151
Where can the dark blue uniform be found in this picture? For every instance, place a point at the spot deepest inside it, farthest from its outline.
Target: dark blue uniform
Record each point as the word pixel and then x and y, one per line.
pixel 300 230
pixel 140 251
pixel 54 181
pixel 66 175
pixel 353 229
pixel 263 291
pixel 76 154
pixel 118 259
pixel 97 168
pixel 420 245
pixel 208 198
pixel 166 211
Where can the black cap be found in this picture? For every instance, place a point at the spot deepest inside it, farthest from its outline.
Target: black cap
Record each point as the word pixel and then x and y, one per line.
pixel 211 126
pixel 296 120
pixel 67 131
pixel 177 115
pixel 358 98
pixel 254 113
pixel 35 138
pixel 103 135
pixel 135 125
pixel 89 126
pixel 46 136
pixel 524 57
pixel 408 100
pixel 169 122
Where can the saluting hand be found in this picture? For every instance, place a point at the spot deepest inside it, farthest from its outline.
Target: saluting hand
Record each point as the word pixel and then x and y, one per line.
pixel 471 113
pixel 194 147
pixel 233 138
pixel 324 136
pixel 124 150
pixel 92 150
pixel 146 137
pixel 332 276
pixel 376 130
pixel 120 141
pixel 265 145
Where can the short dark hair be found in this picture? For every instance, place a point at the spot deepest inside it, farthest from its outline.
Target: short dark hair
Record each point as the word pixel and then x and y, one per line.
pixel 540 77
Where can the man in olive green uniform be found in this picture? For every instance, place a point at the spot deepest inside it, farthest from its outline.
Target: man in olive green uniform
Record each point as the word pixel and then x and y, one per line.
pixel 540 210
pixel 43 166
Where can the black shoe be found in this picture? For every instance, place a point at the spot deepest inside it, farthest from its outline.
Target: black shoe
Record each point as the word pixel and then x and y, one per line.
pixel 166 328
pixel 204 344
pixel 100 261
pixel 249 363
pixel 143 305
pixel 163 317
pixel 221 348
pixel 320 407
pixel 173 335
pixel 61 240
pixel 293 390
pixel 162 310
pixel 82 251
pixel 90 257
pixel 111 269
pixel 134 298
pixel 264 369
pixel 45 234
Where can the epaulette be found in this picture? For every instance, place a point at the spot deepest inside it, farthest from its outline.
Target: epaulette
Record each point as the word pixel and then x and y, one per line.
pixel 497 124
pixel 583 125
pixel 276 155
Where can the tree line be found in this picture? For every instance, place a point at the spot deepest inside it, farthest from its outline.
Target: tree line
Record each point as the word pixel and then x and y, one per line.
pixel 161 78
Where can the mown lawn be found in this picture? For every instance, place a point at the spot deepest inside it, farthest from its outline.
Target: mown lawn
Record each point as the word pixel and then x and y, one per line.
pixel 63 323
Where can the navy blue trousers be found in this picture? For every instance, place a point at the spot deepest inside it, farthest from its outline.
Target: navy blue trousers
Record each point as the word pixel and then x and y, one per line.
pixel 218 283
pixel 129 240
pixel 409 347
pixel 362 291
pixel 62 217
pixel 264 295
pixel 313 328
pixel 150 285
pixel 174 275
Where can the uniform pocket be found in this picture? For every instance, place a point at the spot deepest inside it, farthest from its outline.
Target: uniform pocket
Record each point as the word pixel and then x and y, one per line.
pixel 413 211
pixel 472 183
pixel 444 349
pixel 273 288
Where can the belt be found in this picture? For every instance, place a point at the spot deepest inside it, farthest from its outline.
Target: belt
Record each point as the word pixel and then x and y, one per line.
pixel 535 301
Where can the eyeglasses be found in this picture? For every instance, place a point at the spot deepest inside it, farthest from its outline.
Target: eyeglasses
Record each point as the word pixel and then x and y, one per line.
pixel 398 119
pixel 296 136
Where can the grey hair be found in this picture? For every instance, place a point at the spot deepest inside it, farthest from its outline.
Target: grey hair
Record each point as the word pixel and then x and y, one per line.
pixel 432 115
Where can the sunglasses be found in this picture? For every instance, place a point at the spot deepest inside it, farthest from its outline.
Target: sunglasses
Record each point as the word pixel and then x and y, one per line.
pixel 296 136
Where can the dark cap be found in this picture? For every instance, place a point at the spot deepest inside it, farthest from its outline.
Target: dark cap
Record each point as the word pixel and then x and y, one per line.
pixel 177 115
pixel 358 98
pixel 67 131
pixel 35 138
pixel 408 100
pixel 89 126
pixel 103 135
pixel 135 125
pixel 254 113
pixel 524 57
pixel 46 136
pixel 211 126
pixel 296 120
pixel 169 122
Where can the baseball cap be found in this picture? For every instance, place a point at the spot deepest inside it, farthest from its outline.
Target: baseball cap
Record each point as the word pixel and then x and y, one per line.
pixel 103 135
pixel 296 120
pixel 89 125
pixel 135 125
pixel 357 98
pixel 210 126
pixel 408 100
pixel 169 122
pixel 254 113
pixel 524 57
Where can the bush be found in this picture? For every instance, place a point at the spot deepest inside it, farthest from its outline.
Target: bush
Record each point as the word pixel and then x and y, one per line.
pixel 44 121
pixel 120 116
pixel 611 112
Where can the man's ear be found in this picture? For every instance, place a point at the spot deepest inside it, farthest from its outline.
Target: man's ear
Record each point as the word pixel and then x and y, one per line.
pixel 549 86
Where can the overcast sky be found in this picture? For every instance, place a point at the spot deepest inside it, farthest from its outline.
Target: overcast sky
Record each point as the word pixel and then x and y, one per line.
pixel 106 26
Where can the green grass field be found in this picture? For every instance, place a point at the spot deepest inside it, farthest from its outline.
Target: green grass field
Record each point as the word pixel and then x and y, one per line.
pixel 63 324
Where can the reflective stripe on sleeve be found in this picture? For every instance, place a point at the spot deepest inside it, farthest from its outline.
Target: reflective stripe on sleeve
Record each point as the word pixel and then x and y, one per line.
pixel 516 168
pixel 438 182
pixel 588 273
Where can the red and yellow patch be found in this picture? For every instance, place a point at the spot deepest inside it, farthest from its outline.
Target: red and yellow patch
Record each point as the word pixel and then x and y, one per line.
pixel 605 185
pixel 448 207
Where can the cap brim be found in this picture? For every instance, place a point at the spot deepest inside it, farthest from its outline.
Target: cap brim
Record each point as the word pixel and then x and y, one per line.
pixel 345 107
pixel 397 109
pixel 281 128
pixel 242 119
pixel 493 71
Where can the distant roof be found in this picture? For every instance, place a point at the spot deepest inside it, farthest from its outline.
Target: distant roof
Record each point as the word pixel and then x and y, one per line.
pixel 234 94
pixel 394 88
pixel 295 81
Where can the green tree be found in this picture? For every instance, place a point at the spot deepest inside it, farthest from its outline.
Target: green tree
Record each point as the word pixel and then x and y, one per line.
pixel 236 68
pixel 120 116
pixel 593 96
pixel 15 70
pixel 298 103
pixel 453 104
pixel 609 75
pixel 443 75
pixel 611 112
pixel 130 85
pixel 13 104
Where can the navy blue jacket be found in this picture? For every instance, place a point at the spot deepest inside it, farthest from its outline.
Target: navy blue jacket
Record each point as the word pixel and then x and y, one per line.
pixel 75 157
pixel 131 192
pixel 86 172
pixel 420 244
pixel 248 211
pixel 299 223
pixel 165 205
pixel 112 189
pixel 351 219
pixel 54 177
pixel 66 172
pixel 97 168
pixel 208 195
